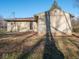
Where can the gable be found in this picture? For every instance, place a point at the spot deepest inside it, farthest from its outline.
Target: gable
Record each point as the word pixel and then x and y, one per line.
pixel 56 12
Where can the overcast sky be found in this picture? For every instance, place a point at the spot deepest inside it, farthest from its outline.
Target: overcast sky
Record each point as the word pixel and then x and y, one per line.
pixel 27 8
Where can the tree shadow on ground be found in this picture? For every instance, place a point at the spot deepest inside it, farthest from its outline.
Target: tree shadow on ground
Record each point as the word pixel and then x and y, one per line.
pixel 29 51
pixel 50 49
pixel 77 36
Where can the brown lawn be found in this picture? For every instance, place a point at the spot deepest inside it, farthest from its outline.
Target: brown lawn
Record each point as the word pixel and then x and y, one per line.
pixel 29 45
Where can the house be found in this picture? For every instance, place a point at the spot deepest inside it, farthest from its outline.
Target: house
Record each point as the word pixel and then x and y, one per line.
pixel 59 21
pixel 21 25
pixel 55 20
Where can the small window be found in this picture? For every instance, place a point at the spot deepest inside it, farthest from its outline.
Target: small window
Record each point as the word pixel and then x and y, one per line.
pixel 56 13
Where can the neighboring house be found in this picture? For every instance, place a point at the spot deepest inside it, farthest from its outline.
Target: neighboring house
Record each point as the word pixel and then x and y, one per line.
pixel 21 25
pixel 55 20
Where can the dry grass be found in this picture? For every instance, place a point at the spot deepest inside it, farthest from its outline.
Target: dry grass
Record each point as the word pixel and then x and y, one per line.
pixel 69 46
pixel 31 46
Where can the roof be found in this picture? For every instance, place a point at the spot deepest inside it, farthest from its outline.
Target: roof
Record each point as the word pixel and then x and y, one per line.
pixel 30 19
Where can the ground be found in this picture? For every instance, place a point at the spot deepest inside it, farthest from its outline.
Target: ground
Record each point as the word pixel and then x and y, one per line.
pixel 30 45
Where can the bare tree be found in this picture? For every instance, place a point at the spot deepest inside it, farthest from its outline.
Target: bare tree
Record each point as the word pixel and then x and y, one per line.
pixel 1 17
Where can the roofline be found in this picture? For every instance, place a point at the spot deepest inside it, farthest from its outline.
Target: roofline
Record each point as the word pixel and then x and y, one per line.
pixel 30 19
pixel 20 20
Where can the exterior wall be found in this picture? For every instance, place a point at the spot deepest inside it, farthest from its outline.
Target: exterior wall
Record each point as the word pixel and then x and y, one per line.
pixel 18 26
pixel 10 26
pixel 41 23
pixel 59 22
pixel 35 27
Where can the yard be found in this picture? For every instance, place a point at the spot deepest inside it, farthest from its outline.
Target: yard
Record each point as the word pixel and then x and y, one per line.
pixel 31 46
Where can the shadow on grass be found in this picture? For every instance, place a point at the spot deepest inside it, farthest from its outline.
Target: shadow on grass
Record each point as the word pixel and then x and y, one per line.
pixel 77 36
pixel 9 47
pixel 27 52
pixel 50 49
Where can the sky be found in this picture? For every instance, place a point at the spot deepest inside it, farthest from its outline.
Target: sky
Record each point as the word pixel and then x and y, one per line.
pixel 28 8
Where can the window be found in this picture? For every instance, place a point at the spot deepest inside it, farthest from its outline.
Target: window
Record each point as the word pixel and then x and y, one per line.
pixel 56 13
